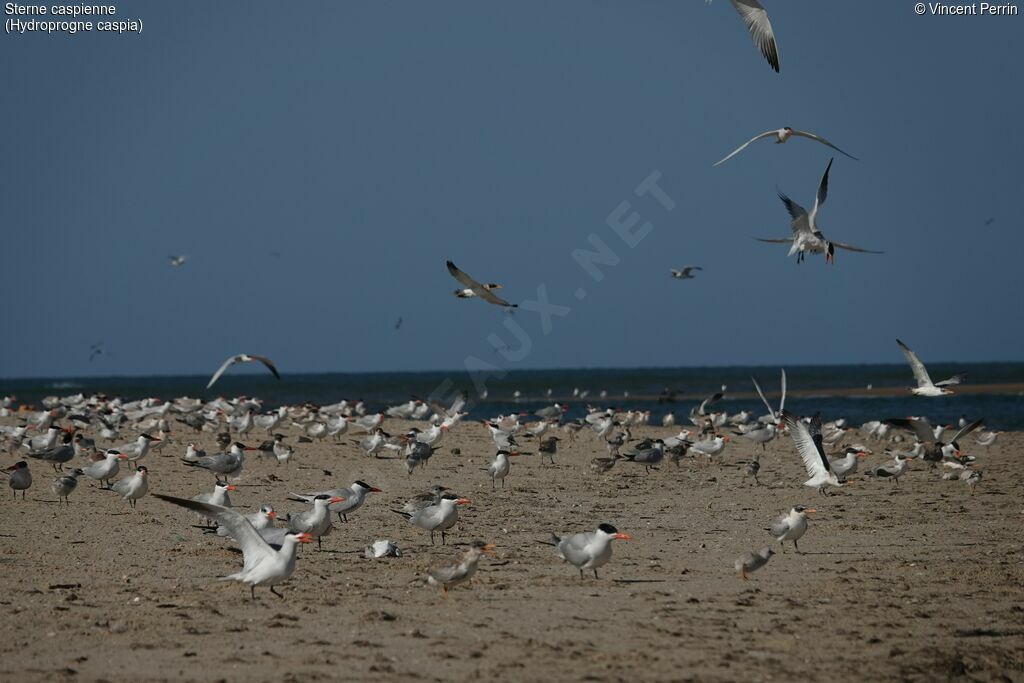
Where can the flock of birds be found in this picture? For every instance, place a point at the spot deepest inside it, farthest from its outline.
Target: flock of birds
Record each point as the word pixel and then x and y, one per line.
pixel 67 431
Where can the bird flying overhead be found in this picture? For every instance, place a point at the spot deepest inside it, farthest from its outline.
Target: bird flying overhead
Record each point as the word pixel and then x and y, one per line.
pixel 781 136
pixel 685 274
pixel 925 386
pixel 177 260
pixel 475 289
pixel 756 19
pixel 242 358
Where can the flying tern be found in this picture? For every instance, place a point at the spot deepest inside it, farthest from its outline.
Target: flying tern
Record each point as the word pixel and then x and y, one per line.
pixel 925 386
pixel 781 136
pixel 242 358
pixel 760 28
pixel 686 273
pixel 472 288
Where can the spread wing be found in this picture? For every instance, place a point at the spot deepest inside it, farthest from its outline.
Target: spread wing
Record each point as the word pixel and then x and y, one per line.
pixel 801 221
pixel 807 439
pixel 266 362
pixel 952 381
pixel 767 133
pixel 818 138
pixel 916 366
pixel 850 247
pixel 819 199
pixel 254 548
pixel 782 401
pixel 220 371
pixel 778 240
pixel 919 426
pixel 760 28
pixel 967 429
pixel 477 288
pixel 771 411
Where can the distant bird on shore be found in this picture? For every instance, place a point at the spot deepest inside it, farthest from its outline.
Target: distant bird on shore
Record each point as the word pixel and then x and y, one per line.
pixel 462 570
pixel 781 136
pixel 686 273
pixel 756 19
pixel 925 386
pixel 242 358
pixel 472 288
pixel 177 261
pixel 807 237
pixel 791 526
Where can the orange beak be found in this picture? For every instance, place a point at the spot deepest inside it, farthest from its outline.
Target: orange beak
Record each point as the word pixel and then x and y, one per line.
pixel 463 501
pixel 272 515
pixel 623 537
pixel 229 487
pixel 375 490
pixel 305 538
pixel 809 511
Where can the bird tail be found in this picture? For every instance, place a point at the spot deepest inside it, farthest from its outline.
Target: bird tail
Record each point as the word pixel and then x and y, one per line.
pixel 207 528
pixel 555 540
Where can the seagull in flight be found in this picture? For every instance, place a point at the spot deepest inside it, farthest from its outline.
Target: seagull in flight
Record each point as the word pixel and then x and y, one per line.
pixel 242 358
pixel 177 260
pixel 756 19
pixel 807 237
pixel 807 438
pixel 685 274
pixel 781 136
pixel 472 288
pixel 925 386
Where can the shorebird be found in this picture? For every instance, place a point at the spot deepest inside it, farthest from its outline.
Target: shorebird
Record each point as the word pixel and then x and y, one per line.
pixel 925 386
pixel 352 497
pixel 753 467
pixel 807 439
pixel 807 237
pixel 133 487
pixel 896 469
pixel 223 465
pixel 791 526
pixel 472 288
pixel 242 358
pixel 685 274
pixel 462 570
pixel 760 28
pixel 775 414
pixel 65 484
pixel 106 468
pixel 751 562
pixel 589 549
pixel 439 517
pixel 500 466
pixel 19 478
pixel 848 463
pixel 781 136
pixel 263 565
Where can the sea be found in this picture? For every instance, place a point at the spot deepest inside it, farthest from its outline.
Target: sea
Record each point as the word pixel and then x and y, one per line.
pixel 821 390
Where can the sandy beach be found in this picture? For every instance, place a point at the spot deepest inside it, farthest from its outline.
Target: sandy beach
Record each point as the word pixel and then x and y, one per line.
pixel 918 583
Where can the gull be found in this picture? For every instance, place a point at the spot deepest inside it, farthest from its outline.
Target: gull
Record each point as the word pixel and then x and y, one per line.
pixel 807 237
pixel 686 273
pixel 242 358
pixel 589 549
pixel 65 484
pixel 807 439
pixel 756 19
pixel 751 562
pixel 177 261
pixel 263 565
pixel 133 487
pixel 781 136
pixel 791 526
pixel 462 570
pixel 19 478
pixel 925 386
pixel 475 289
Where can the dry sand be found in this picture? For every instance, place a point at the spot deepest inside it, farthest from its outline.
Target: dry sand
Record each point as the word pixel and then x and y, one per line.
pixel 921 583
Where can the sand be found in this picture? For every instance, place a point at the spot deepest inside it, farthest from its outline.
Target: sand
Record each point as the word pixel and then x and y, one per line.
pixel 922 583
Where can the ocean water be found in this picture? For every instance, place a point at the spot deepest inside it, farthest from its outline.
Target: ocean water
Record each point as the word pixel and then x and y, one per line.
pixel 1000 410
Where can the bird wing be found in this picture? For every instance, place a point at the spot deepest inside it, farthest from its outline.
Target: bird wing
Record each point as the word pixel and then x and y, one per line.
pixel 265 361
pixel 121 486
pixel 967 429
pixel 771 411
pixel 780 526
pixel 254 548
pixel 492 298
pixel 850 247
pixel 916 366
pixel 573 548
pixel 919 426
pixel 808 444
pixel 767 133
pixel 819 199
pixel 782 401
pixel 477 288
pixel 952 381
pixel 220 371
pixel 760 28
pixel 445 575
pixel 818 138
pixel 778 240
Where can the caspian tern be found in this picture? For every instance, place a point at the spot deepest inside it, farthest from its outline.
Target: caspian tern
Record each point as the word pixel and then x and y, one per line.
pixel 177 260
pixel 242 358
pixel 791 526
pixel 807 237
pixel 848 463
pixel 106 468
pixel 781 136
pixel 472 288
pixel 19 478
pixel 589 549
pixel 462 570
pixel 352 497
pixel 500 466
pixel 925 386
pixel 263 565
pixel 223 465
pixel 440 517
pixel 133 487
pixel 317 520
pixel 756 19
pixel 896 469
pixel 807 439
pixel 686 273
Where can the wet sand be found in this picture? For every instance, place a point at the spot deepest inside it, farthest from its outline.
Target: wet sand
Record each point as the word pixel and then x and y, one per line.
pixel 919 583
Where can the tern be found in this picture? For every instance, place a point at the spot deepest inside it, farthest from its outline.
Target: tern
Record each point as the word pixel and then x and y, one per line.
pixel 353 498
pixel 260 520
pixel 775 414
pixel 105 469
pixel 648 457
pixel 317 520
pixel 426 499
pixel 896 469
pixel 589 549
pixel 753 467
pixel 218 497
pixel 242 358
pixel 848 463
pixel 224 465
pixel 925 386
pixel 807 439
pixel 475 289
pixel 686 273
pixel 760 28
pixel 462 570
pixel 263 565
pixel 133 487
pixel 751 562
pixel 935 450
pixel 137 451
pixel 781 136
pixel 500 466
pixel 56 456
pixel 791 526
pixel 549 447
pixel 19 478
pixel 65 484
pixel 807 237
pixel 439 517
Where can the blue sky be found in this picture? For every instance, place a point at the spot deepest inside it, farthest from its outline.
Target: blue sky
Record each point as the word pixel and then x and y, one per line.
pixel 319 162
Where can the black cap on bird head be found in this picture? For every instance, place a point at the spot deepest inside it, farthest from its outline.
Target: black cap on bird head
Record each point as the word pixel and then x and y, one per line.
pixel 608 529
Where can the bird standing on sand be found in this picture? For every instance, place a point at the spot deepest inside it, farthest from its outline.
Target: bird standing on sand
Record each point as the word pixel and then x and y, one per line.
pixel 316 521
pixel 133 487
pixel 753 467
pixel 440 517
pixel 223 465
pixel 791 526
pixel 549 447
pixel 500 466
pixel 751 562
pixel 896 469
pixel 64 485
pixel 352 497
pixel 19 478
pixel 589 549
pixel 463 569
pixel 106 468
pixel 848 463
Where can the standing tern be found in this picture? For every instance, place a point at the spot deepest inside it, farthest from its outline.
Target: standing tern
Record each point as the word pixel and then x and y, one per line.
pixel 352 497
pixel 224 465
pixel 317 520
pixel 925 386
pixel 848 463
pixel 807 439
pixel 462 570
pixel 791 526
pixel 760 28
pixel 896 469
pixel 781 136
pixel 426 499
pixel 500 466
pixel 19 478
pixel 686 273
pixel 65 484
pixel 589 549
pixel 439 517
pixel 263 565
pixel 475 289
pixel 133 487
pixel 751 562
pixel 105 469
pixel 242 358
pixel 807 237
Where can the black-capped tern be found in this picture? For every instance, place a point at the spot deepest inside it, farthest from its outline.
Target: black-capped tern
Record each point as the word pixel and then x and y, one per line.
pixel 589 549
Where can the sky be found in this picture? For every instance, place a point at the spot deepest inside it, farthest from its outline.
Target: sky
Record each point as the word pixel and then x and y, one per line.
pixel 318 162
